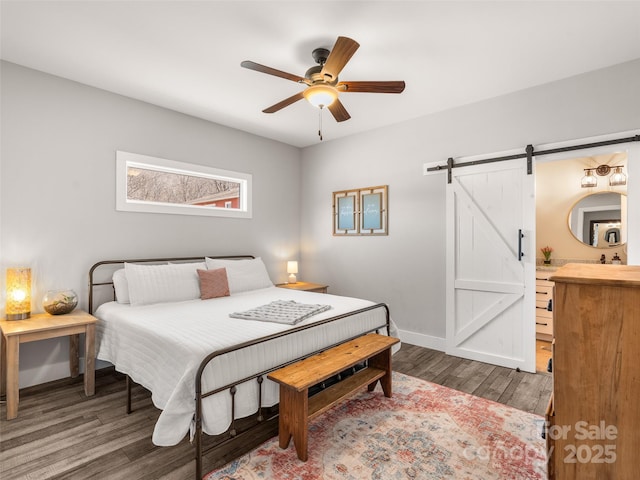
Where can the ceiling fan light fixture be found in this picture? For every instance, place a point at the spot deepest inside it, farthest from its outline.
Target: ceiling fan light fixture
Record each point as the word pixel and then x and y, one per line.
pixel 320 96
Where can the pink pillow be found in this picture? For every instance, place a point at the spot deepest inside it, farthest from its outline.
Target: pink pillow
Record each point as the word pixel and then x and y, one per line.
pixel 213 283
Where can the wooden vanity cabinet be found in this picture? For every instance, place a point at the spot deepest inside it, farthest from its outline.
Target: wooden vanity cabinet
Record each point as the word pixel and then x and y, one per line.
pixel 544 306
pixel 594 414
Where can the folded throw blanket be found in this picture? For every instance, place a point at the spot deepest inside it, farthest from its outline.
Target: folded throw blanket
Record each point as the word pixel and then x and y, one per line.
pixel 282 311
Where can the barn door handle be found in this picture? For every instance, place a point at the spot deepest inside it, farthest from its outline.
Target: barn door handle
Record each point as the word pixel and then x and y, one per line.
pixel 520 237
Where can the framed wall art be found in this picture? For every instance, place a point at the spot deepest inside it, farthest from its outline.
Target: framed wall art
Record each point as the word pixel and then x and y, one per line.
pixel 373 208
pixel 345 212
pixel 361 211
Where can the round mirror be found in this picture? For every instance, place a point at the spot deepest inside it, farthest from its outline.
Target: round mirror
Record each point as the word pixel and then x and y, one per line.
pixel 598 220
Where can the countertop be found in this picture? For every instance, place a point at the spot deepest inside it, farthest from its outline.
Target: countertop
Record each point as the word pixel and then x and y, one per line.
pixel 618 275
pixel 546 268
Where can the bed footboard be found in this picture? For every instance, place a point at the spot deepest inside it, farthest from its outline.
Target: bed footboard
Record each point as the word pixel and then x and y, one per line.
pixel 260 418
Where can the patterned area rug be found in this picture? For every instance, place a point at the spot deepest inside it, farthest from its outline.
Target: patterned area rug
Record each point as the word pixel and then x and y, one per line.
pixel 425 431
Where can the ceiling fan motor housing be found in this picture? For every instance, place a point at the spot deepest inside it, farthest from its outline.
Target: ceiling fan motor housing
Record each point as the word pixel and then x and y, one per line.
pixel 320 55
pixel 314 74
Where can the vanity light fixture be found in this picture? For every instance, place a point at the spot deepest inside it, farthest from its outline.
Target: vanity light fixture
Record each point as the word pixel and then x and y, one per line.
pixel 615 180
pixel 589 180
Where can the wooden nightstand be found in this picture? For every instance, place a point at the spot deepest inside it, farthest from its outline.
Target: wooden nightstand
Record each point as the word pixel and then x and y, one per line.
pixel 40 327
pixel 306 286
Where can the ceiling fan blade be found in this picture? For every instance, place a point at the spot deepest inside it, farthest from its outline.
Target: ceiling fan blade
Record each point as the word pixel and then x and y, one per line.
pixel 371 87
pixel 338 111
pixel 284 103
pixel 272 71
pixel 342 51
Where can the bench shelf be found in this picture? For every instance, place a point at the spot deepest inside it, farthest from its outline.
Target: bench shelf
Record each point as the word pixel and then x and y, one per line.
pixel 296 408
pixel 327 398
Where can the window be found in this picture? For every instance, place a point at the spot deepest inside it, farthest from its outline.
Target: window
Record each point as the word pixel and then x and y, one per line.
pixel 157 185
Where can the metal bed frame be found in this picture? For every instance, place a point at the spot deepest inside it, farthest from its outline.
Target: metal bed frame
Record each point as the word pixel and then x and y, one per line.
pixel 232 433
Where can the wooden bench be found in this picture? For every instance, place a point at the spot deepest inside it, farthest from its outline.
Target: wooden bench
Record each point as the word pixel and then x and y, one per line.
pixel 296 408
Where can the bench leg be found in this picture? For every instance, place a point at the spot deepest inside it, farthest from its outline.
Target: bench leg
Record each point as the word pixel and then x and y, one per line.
pixel 294 407
pixel 383 361
pixel 386 385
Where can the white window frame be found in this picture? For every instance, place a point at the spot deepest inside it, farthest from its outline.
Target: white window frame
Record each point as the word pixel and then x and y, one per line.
pixel 124 160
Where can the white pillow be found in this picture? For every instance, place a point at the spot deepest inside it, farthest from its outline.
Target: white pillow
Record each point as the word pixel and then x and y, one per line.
pixel 243 275
pixel 197 265
pixel 162 283
pixel 121 286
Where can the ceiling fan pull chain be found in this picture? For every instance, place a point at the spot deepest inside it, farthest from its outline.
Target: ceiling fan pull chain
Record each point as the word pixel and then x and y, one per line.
pixel 320 123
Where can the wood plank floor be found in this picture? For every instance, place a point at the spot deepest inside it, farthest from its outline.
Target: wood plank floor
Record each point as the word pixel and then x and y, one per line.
pixel 543 354
pixel 61 434
pixel 524 391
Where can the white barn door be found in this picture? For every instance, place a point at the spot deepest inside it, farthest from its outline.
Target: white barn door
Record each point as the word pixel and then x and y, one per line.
pixel 490 270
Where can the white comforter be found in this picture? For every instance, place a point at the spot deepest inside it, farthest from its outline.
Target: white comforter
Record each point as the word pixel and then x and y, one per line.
pixel 161 346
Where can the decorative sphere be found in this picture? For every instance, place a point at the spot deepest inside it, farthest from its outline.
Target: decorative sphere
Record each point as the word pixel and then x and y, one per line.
pixel 59 302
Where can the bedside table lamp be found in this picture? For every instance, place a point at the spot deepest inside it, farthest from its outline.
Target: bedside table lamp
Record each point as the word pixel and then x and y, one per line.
pixel 292 269
pixel 18 303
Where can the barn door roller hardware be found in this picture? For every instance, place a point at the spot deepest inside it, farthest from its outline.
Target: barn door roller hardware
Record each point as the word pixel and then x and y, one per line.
pixel 528 154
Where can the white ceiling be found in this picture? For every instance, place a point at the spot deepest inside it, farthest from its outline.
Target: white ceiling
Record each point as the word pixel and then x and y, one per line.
pixel 185 55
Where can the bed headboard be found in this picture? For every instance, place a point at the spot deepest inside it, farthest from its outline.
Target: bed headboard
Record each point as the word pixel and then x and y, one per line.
pixel 101 273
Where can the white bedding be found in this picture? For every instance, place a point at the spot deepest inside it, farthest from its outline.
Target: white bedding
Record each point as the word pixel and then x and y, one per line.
pixel 160 346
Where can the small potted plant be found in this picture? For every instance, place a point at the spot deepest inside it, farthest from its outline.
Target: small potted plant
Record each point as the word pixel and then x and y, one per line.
pixel 546 251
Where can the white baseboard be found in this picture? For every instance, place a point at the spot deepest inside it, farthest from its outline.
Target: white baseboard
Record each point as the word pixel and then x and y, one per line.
pixel 422 340
pixel 50 372
pixel 47 373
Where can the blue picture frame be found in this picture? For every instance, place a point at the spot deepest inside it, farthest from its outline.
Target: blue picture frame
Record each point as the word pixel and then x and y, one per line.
pixel 372 211
pixel 374 215
pixel 347 213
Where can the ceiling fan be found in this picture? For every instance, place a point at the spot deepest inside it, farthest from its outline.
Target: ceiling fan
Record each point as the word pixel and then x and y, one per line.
pixel 323 86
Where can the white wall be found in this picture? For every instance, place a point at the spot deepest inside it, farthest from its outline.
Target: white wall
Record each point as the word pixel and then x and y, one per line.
pixel 57 199
pixel 407 268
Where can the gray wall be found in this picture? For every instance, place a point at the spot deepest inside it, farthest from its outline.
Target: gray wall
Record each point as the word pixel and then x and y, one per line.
pixel 57 201
pixel 407 268
pixel 58 215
